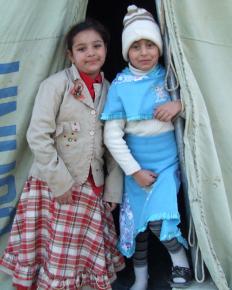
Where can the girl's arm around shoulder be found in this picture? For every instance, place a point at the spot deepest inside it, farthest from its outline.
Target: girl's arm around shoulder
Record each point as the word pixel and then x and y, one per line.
pixel 40 135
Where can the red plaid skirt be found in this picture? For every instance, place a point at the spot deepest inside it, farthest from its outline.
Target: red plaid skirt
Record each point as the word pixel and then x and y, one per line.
pixel 62 246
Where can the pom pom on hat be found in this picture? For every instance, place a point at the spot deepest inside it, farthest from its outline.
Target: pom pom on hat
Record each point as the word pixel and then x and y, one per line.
pixel 139 24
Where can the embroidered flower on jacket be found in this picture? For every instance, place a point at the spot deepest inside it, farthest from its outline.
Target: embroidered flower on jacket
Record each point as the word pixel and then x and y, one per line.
pixel 77 89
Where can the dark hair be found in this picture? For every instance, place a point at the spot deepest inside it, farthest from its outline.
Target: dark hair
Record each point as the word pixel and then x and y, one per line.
pixel 88 24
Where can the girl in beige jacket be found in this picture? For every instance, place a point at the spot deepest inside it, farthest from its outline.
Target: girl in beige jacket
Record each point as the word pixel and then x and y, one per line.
pixel 63 235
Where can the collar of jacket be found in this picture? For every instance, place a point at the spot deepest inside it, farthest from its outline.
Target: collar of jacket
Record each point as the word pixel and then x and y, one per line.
pixel 87 98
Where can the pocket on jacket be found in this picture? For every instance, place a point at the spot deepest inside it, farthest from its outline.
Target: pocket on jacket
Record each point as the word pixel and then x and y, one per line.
pixel 66 134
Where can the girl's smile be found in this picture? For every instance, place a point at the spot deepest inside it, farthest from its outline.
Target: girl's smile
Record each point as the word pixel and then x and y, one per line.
pixel 88 52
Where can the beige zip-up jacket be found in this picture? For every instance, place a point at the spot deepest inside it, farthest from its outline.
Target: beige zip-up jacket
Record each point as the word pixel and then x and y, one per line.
pixel 66 137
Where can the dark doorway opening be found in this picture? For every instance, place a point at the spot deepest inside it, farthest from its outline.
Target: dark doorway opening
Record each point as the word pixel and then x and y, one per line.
pixel 111 14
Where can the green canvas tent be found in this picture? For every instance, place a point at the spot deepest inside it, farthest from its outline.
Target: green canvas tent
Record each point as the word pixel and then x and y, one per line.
pixel 198 56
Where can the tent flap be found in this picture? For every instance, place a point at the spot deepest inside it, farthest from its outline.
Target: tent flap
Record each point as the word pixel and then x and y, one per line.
pixel 201 43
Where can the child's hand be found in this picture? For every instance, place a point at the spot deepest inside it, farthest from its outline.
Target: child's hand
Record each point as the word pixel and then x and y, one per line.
pixel 168 111
pixel 110 205
pixel 145 177
pixel 65 198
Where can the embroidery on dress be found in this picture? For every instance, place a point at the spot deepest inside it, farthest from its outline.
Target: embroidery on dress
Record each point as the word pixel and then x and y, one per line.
pixel 127 222
pixel 129 78
pixel 161 94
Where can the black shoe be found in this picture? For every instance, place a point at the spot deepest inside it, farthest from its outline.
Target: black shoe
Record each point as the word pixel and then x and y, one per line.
pixel 181 272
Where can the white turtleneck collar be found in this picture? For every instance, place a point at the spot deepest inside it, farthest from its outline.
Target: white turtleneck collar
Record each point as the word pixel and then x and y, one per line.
pixel 139 72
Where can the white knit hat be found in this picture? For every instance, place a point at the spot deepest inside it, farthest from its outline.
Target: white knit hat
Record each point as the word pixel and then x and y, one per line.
pixel 139 24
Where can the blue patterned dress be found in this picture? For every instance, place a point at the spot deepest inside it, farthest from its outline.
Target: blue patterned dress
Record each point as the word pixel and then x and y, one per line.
pixel 135 98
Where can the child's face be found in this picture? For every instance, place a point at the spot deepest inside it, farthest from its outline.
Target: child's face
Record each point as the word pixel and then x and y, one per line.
pixel 88 52
pixel 143 54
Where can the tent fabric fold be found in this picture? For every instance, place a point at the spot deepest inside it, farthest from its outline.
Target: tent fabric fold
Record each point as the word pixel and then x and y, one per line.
pixel 201 43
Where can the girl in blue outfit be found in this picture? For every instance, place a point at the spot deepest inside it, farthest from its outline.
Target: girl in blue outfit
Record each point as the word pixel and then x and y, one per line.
pixel 140 135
